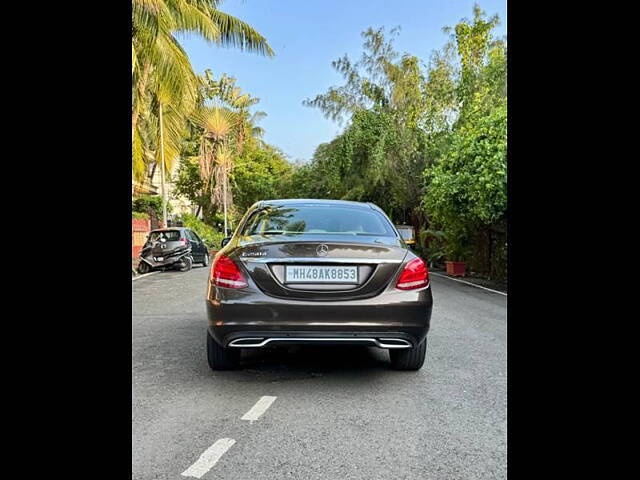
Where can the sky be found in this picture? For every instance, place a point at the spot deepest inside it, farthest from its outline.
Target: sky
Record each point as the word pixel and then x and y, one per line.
pixel 307 35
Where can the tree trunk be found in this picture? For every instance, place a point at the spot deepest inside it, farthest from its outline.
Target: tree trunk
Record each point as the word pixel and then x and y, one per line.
pixel 490 254
pixel 134 121
pixel 162 170
pixel 224 186
pixel 419 222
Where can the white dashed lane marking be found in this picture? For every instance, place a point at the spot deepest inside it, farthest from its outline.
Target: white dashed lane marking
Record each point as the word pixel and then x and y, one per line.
pixel 212 454
pixel 258 409
pixel 209 458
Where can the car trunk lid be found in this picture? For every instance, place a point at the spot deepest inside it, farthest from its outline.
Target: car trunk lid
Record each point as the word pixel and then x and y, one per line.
pixel 320 267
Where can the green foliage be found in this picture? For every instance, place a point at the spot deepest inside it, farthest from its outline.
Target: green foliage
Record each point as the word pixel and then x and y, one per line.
pixel 140 216
pixel 469 184
pixel 148 204
pixel 431 244
pixel 223 133
pixel 259 175
pixel 163 80
pixel 189 185
pixel 188 182
pixel 466 186
pixel 425 143
pixel 209 235
pixel 382 153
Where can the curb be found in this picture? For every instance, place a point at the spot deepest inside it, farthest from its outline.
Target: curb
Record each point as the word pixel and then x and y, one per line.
pixel 145 275
pixel 468 283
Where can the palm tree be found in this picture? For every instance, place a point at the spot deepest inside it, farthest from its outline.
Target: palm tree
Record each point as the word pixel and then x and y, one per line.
pixel 155 46
pixel 250 131
pixel 217 150
pixel 161 71
pixel 226 126
pixel 245 122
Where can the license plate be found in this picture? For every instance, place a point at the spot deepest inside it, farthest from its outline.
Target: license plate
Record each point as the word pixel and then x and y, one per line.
pixel 320 274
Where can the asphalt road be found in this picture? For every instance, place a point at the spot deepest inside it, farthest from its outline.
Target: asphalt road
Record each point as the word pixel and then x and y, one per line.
pixel 340 412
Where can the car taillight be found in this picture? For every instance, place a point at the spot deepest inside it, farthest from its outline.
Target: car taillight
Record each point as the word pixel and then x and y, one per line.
pixel 415 275
pixel 225 273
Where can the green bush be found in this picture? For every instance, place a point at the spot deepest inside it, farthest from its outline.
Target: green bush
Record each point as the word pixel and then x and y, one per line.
pixel 209 235
pixel 149 203
pixel 140 216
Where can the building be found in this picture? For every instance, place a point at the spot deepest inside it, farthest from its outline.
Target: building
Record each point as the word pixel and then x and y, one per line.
pixel 152 185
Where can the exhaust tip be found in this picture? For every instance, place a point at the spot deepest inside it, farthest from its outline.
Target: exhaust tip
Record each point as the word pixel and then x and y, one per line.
pixel 247 342
pixel 394 343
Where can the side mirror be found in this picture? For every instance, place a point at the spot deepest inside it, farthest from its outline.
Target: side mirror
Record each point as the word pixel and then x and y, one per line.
pixel 225 241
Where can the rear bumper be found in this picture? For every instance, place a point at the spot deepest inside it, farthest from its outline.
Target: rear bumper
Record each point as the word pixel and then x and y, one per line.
pixel 400 317
pixel 172 259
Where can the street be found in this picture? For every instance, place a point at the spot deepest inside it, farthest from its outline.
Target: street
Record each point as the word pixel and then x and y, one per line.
pixel 338 412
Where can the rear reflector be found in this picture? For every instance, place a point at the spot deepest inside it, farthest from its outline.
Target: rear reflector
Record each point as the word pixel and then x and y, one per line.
pixel 415 275
pixel 225 273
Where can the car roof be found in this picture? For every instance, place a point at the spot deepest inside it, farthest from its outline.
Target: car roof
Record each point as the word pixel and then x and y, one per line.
pixel 169 229
pixel 323 201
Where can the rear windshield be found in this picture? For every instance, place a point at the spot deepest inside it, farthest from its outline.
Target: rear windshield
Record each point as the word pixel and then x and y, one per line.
pixel 320 219
pixel 169 236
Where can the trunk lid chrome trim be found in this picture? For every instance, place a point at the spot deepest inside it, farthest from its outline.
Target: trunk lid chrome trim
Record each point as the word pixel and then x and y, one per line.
pixel 353 260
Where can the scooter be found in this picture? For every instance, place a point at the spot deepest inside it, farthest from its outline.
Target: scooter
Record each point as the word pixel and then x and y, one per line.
pixel 163 255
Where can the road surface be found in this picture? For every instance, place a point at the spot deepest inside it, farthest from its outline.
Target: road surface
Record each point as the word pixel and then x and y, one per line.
pixel 338 412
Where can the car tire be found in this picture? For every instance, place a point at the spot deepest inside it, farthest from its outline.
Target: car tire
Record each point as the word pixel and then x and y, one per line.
pixel 143 267
pixel 205 261
pixel 221 358
pixel 187 263
pixel 409 358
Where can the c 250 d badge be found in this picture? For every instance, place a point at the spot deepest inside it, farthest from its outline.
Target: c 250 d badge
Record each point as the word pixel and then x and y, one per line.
pixel 254 254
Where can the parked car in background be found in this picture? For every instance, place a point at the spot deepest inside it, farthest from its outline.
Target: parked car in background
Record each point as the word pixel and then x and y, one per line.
pixel 408 234
pixel 174 247
pixel 317 272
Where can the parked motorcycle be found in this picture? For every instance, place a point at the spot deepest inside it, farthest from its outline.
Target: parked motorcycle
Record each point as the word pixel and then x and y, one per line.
pixel 166 249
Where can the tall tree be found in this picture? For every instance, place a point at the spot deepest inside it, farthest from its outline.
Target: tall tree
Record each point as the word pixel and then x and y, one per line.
pixel 160 64
pixel 425 142
pixel 259 174
pixel 219 126
pixel 467 185
pixel 384 98
pixel 227 127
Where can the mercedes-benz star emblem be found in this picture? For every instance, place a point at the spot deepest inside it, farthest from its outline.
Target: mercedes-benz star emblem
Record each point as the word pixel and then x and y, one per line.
pixel 322 250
